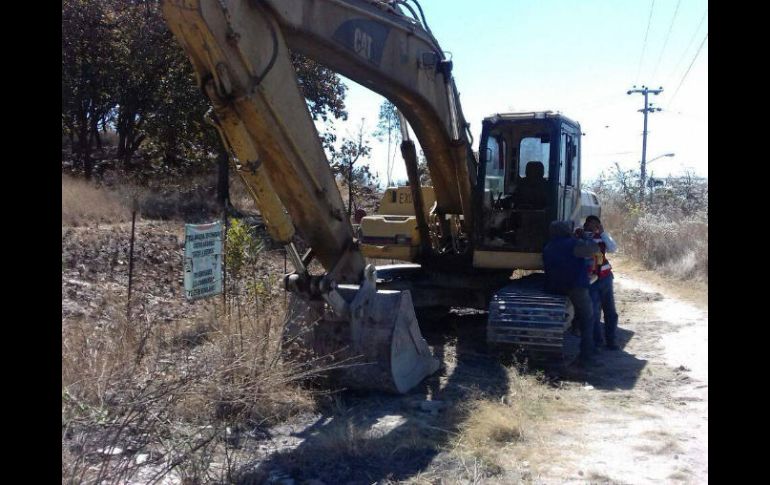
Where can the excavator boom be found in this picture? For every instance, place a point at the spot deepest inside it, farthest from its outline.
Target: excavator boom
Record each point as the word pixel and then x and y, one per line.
pixel 240 51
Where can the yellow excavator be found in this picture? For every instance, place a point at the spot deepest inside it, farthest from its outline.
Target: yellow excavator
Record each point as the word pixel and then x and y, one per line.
pixel 483 217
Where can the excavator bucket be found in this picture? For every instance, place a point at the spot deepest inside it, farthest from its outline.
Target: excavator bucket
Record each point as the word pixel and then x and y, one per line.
pixel 379 347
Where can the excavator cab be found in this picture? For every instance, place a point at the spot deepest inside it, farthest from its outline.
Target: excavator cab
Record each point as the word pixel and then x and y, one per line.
pixel 530 168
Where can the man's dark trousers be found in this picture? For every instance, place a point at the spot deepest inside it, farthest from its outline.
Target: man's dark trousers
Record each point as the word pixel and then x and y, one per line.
pixel 581 300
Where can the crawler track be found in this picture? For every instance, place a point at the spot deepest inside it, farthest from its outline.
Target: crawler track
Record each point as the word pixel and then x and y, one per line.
pixel 523 317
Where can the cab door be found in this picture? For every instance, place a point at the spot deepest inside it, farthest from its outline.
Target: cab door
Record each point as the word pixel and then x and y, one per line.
pixel 562 176
pixel 568 173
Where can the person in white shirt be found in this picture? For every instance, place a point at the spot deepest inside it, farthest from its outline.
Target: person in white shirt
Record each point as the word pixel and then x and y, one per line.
pixel 602 292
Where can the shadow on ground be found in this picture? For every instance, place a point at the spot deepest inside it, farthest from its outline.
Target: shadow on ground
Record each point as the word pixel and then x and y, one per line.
pixel 380 437
pixel 366 438
pixel 616 369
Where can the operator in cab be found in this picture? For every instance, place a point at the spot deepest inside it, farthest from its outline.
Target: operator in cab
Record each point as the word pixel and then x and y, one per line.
pixel 564 261
pixel 533 191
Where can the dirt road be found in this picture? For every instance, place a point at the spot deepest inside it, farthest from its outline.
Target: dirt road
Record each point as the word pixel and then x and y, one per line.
pixel 647 416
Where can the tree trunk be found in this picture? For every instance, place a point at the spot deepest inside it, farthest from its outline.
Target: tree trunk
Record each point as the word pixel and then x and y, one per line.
pixel 129 138
pixel 84 145
pixel 121 142
pixel 95 132
pixel 125 135
pixel 133 147
pixel 88 164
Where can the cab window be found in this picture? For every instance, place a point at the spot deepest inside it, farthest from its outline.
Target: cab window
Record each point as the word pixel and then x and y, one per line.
pixel 533 149
pixel 494 180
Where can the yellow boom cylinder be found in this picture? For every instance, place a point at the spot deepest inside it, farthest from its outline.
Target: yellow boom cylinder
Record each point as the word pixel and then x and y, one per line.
pixel 254 176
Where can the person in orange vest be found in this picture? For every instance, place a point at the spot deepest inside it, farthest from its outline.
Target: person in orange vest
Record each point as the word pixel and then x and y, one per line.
pixel 602 291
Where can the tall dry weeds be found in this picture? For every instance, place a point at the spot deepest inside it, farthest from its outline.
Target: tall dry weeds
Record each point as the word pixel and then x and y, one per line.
pixel 676 247
pixel 84 203
pixel 143 398
pixel 668 233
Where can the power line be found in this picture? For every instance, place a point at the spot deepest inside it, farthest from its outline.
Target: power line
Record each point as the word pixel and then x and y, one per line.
pixel 600 102
pixel 689 44
pixel 703 42
pixel 644 46
pixel 665 42
pixel 614 153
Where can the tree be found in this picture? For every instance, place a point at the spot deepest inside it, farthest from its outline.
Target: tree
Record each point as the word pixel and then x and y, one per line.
pixel 323 89
pixel 87 79
pixel 157 96
pixel 345 157
pixel 681 196
pixel 324 94
pixel 422 170
pixel 122 68
pixel 389 128
pixel 177 133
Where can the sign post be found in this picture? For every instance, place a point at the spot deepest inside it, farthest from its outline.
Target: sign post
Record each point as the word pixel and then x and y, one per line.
pixel 203 260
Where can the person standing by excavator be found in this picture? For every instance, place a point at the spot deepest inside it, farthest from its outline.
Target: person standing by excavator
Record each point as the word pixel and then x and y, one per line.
pixel 564 261
pixel 602 292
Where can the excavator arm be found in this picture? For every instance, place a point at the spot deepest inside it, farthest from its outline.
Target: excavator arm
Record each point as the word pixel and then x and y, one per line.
pixel 240 51
pixel 243 66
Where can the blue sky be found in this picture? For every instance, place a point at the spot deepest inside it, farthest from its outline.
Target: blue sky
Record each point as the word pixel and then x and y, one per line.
pixel 578 57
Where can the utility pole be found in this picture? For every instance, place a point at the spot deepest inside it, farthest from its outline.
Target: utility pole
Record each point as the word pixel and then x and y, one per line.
pixel 648 108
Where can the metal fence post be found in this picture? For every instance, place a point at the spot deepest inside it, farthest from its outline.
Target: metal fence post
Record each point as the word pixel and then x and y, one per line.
pixel 224 256
pixel 131 256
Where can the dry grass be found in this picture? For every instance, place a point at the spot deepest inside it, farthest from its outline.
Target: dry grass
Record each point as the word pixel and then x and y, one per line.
pixel 84 203
pixel 601 479
pixel 175 393
pixel 668 447
pixel 191 200
pixel 497 436
pixel 240 196
pixel 181 393
pixel 178 394
pixel 676 246
pixel 668 233
pixel 170 396
pixel 492 424
pixel 476 439
pixel 692 290
pixel 669 243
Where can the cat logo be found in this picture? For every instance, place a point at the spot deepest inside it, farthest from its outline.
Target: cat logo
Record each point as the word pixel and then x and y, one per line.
pixel 362 44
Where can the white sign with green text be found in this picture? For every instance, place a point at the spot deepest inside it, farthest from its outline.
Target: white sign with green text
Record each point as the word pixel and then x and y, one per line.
pixel 202 260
